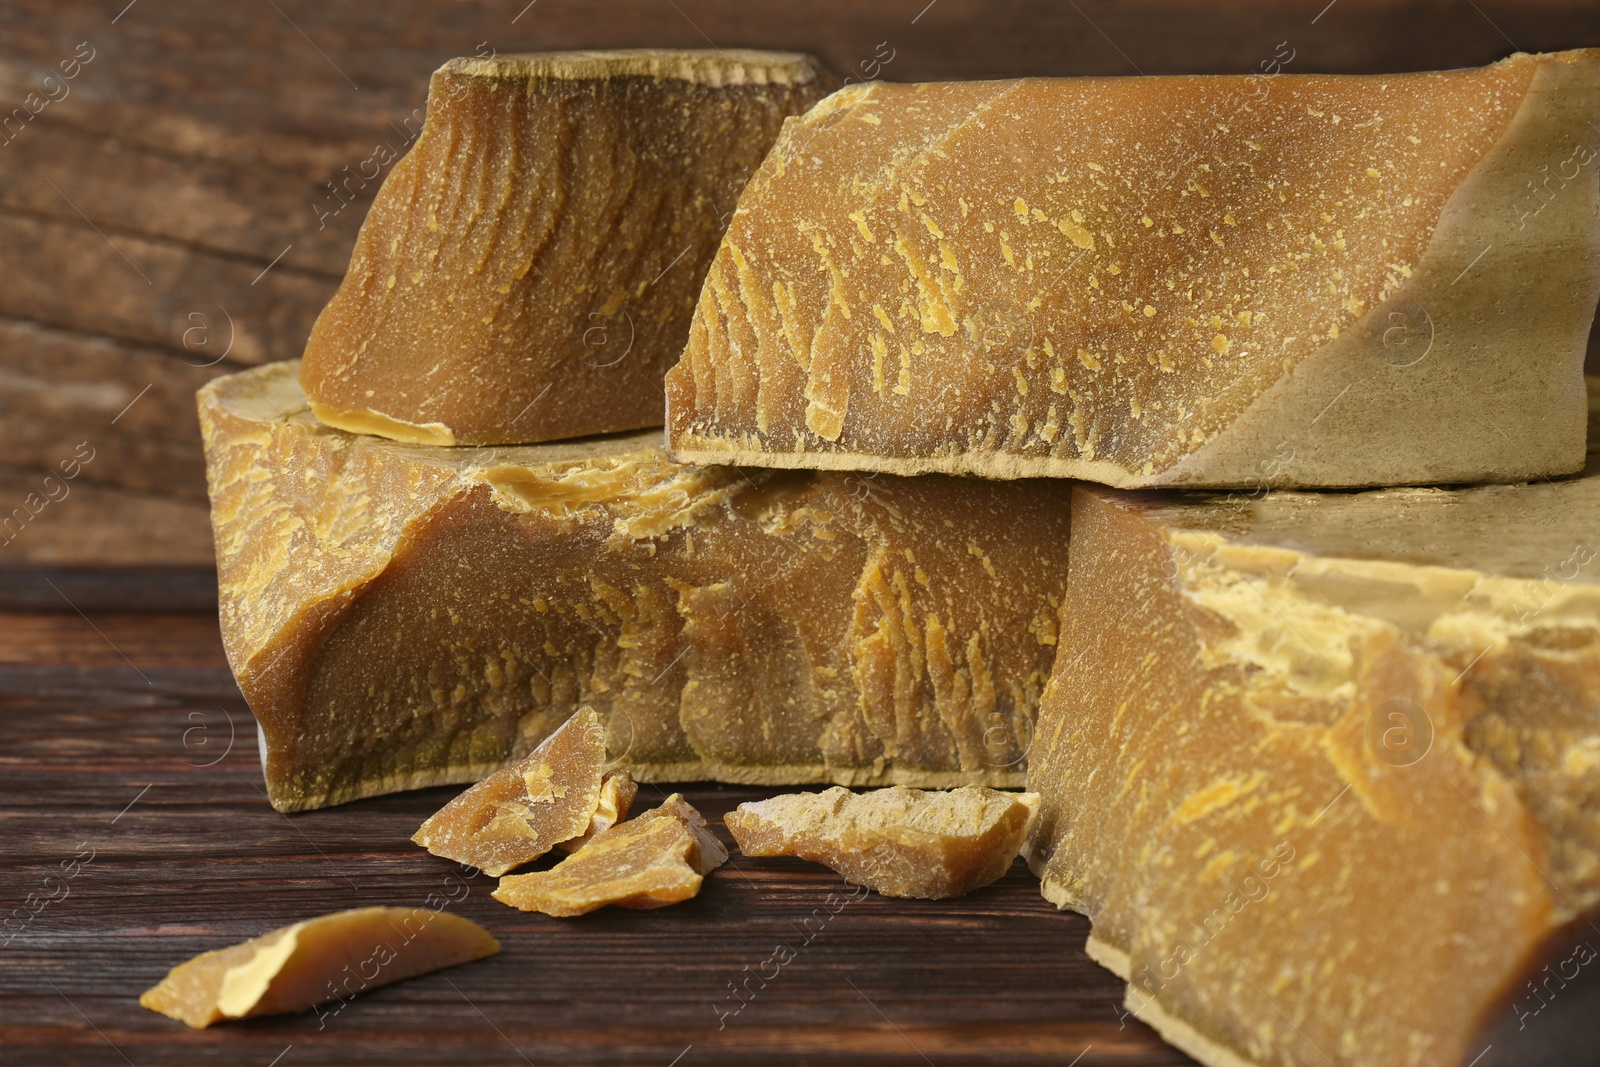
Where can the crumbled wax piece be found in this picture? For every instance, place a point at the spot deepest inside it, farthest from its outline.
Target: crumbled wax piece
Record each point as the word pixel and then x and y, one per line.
pixel 520 812
pixel 901 842
pixel 316 961
pixel 1324 769
pixel 1288 280
pixel 616 797
pixel 528 271
pixel 708 853
pixel 660 858
pixel 402 616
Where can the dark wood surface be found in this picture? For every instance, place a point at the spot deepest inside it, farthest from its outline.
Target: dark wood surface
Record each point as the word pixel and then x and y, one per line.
pixel 124 743
pixel 167 220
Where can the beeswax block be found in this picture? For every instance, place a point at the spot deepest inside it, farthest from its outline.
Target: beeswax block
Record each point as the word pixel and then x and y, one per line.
pixel 403 615
pixel 1324 769
pixel 1288 280
pixel 527 272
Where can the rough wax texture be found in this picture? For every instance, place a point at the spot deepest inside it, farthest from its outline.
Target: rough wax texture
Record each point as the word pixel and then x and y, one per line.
pixel 528 271
pixel 708 853
pixel 314 962
pixel 520 812
pixel 660 858
pixel 401 615
pixel 901 842
pixel 616 797
pixel 1289 280
pixel 1324 770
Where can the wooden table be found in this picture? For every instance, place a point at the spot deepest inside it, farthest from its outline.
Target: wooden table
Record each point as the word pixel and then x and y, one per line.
pixel 126 749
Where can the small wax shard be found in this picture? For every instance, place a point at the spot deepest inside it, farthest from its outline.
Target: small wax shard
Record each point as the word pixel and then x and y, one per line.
pixel 402 616
pixel 660 858
pixel 528 271
pixel 1298 280
pixel 520 812
pixel 616 797
pixel 331 957
pixel 1324 769
pixel 900 842
pixel 708 853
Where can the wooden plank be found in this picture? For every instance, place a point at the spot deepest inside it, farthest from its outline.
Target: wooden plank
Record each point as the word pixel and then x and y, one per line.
pixel 148 763
pixel 150 590
pixel 66 395
pixel 281 69
pixel 227 207
pixel 143 290
pixel 104 525
pixel 82 638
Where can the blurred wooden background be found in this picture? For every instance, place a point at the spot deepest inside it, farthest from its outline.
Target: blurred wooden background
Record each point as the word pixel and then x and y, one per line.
pixel 167 215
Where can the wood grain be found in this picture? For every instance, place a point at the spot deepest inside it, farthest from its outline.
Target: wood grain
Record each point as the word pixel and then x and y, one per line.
pixel 194 151
pixel 30 588
pixel 124 736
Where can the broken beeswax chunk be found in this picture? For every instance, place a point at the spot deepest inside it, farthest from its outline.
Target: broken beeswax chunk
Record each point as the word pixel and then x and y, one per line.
pixel 520 812
pixel 401 616
pixel 316 961
pixel 1294 280
pixel 708 853
pixel 1324 770
pixel 528 271
pixel 616 797
pixel 900 842
pixel 660 858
